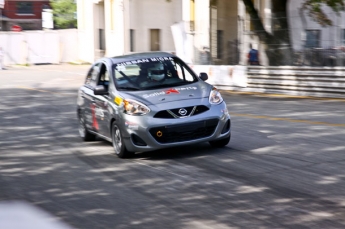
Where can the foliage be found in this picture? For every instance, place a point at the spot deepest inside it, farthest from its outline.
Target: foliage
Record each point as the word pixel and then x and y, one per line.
pixel 64 13
pixel 314 9
pixel 278 43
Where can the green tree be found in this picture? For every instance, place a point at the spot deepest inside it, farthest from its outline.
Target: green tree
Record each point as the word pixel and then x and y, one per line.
pixel 64 13
pixel 278 48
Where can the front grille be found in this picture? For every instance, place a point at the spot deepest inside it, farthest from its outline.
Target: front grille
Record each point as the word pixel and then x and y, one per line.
pixel 184 132
pixel 181 112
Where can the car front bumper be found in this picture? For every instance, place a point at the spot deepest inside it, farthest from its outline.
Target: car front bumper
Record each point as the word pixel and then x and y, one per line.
pixel 146 133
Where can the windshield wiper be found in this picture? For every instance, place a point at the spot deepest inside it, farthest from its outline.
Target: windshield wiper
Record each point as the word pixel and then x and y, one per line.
pixel 129 88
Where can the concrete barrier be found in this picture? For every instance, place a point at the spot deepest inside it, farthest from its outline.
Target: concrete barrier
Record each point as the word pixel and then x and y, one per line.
pixel 39 47
pixel 302 81
pixel 230 77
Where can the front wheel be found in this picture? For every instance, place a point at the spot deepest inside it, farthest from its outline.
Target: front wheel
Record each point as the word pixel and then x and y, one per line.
pixel 220 143
pixel 118 143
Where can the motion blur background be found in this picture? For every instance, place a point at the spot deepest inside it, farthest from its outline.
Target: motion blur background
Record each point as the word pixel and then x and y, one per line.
pixel 214 32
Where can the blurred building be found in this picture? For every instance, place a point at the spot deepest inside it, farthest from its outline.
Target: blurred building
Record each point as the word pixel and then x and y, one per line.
pixel 26 14
pixel 187 27
pixel 309 34
pixel 201 31
pixel 311 44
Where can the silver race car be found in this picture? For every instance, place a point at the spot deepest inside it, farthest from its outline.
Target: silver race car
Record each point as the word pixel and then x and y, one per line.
pixel 149 101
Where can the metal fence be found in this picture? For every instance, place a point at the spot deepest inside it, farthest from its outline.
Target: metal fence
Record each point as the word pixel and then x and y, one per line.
pixel 319 57
pixel 303 43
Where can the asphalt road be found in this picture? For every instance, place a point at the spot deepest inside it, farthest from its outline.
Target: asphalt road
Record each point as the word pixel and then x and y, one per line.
pixel 284 166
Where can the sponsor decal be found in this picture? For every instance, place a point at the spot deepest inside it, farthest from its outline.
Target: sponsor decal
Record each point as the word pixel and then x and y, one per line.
pixel 170 91
pixel 225 111
pixel 94 119
pixel 146 60
pixel 99 112
pixel 131 125
pixel 118 100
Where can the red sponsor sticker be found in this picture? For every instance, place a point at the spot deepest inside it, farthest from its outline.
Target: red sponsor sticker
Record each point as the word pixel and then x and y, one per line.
pixel 172 91
pixel 94 120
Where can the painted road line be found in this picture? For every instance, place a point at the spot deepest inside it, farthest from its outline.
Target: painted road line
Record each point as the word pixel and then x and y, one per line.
pixel 288 120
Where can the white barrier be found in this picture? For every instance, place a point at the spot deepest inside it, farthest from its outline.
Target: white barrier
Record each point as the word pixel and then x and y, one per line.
pixel 39 47
pixel 224 76
pixel 302 81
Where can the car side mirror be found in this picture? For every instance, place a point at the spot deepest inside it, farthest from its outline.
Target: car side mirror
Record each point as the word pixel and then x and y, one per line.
pixel 203 76
pixel 100 90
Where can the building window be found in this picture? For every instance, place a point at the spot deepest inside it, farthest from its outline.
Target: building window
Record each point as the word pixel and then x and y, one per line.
pixel 154 40
pixel 220 44
pixel 25 8
pixel 312 39
pixel 192 15
pixel 213 27
pixel 250 22
pixel 131 37
pixel 101 35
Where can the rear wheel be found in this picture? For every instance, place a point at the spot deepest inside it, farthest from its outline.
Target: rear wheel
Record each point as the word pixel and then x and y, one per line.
pixel 83 132
pixel 221 142
pixel 118 143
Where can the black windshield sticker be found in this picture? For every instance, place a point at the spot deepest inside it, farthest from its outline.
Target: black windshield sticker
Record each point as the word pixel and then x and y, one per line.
pixel 161 59
pixel 140 61
pixel 134 62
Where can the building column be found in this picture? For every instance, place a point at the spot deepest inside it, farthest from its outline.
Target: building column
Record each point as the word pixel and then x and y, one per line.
pixel 117 27
pixel 86 39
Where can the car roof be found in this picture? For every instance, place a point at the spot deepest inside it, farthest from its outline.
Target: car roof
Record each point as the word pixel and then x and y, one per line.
pixel 141 55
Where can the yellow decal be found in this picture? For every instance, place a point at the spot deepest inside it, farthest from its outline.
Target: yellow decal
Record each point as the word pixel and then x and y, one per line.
pixel 159 134
pixel 118 100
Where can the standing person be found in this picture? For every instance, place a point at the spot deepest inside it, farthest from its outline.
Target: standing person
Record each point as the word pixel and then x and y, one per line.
pixel 1 57
pixel 253 56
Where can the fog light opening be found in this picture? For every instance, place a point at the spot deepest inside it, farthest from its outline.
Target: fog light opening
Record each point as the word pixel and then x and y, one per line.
pixel 226 127
pixel 138 140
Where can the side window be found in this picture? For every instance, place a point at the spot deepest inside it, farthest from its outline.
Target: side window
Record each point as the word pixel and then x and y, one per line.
pixel 183 73
pixel 103 76
pixel 92 76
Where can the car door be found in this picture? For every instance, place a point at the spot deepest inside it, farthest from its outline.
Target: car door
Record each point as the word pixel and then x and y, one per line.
pixel 87 95
pixel 99 103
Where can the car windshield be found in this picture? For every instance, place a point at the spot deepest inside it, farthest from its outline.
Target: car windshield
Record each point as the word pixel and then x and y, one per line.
pixel 149 73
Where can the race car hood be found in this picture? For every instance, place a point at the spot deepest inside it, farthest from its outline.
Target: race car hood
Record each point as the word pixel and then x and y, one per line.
pixel 163 95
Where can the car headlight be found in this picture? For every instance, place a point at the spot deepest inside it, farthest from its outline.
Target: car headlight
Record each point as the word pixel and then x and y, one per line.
pixel 133 107
pixel 215 97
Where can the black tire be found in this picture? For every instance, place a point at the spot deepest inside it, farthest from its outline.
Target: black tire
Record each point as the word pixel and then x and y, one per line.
pixel 220 143
pixel 118 143
pixel 83 132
